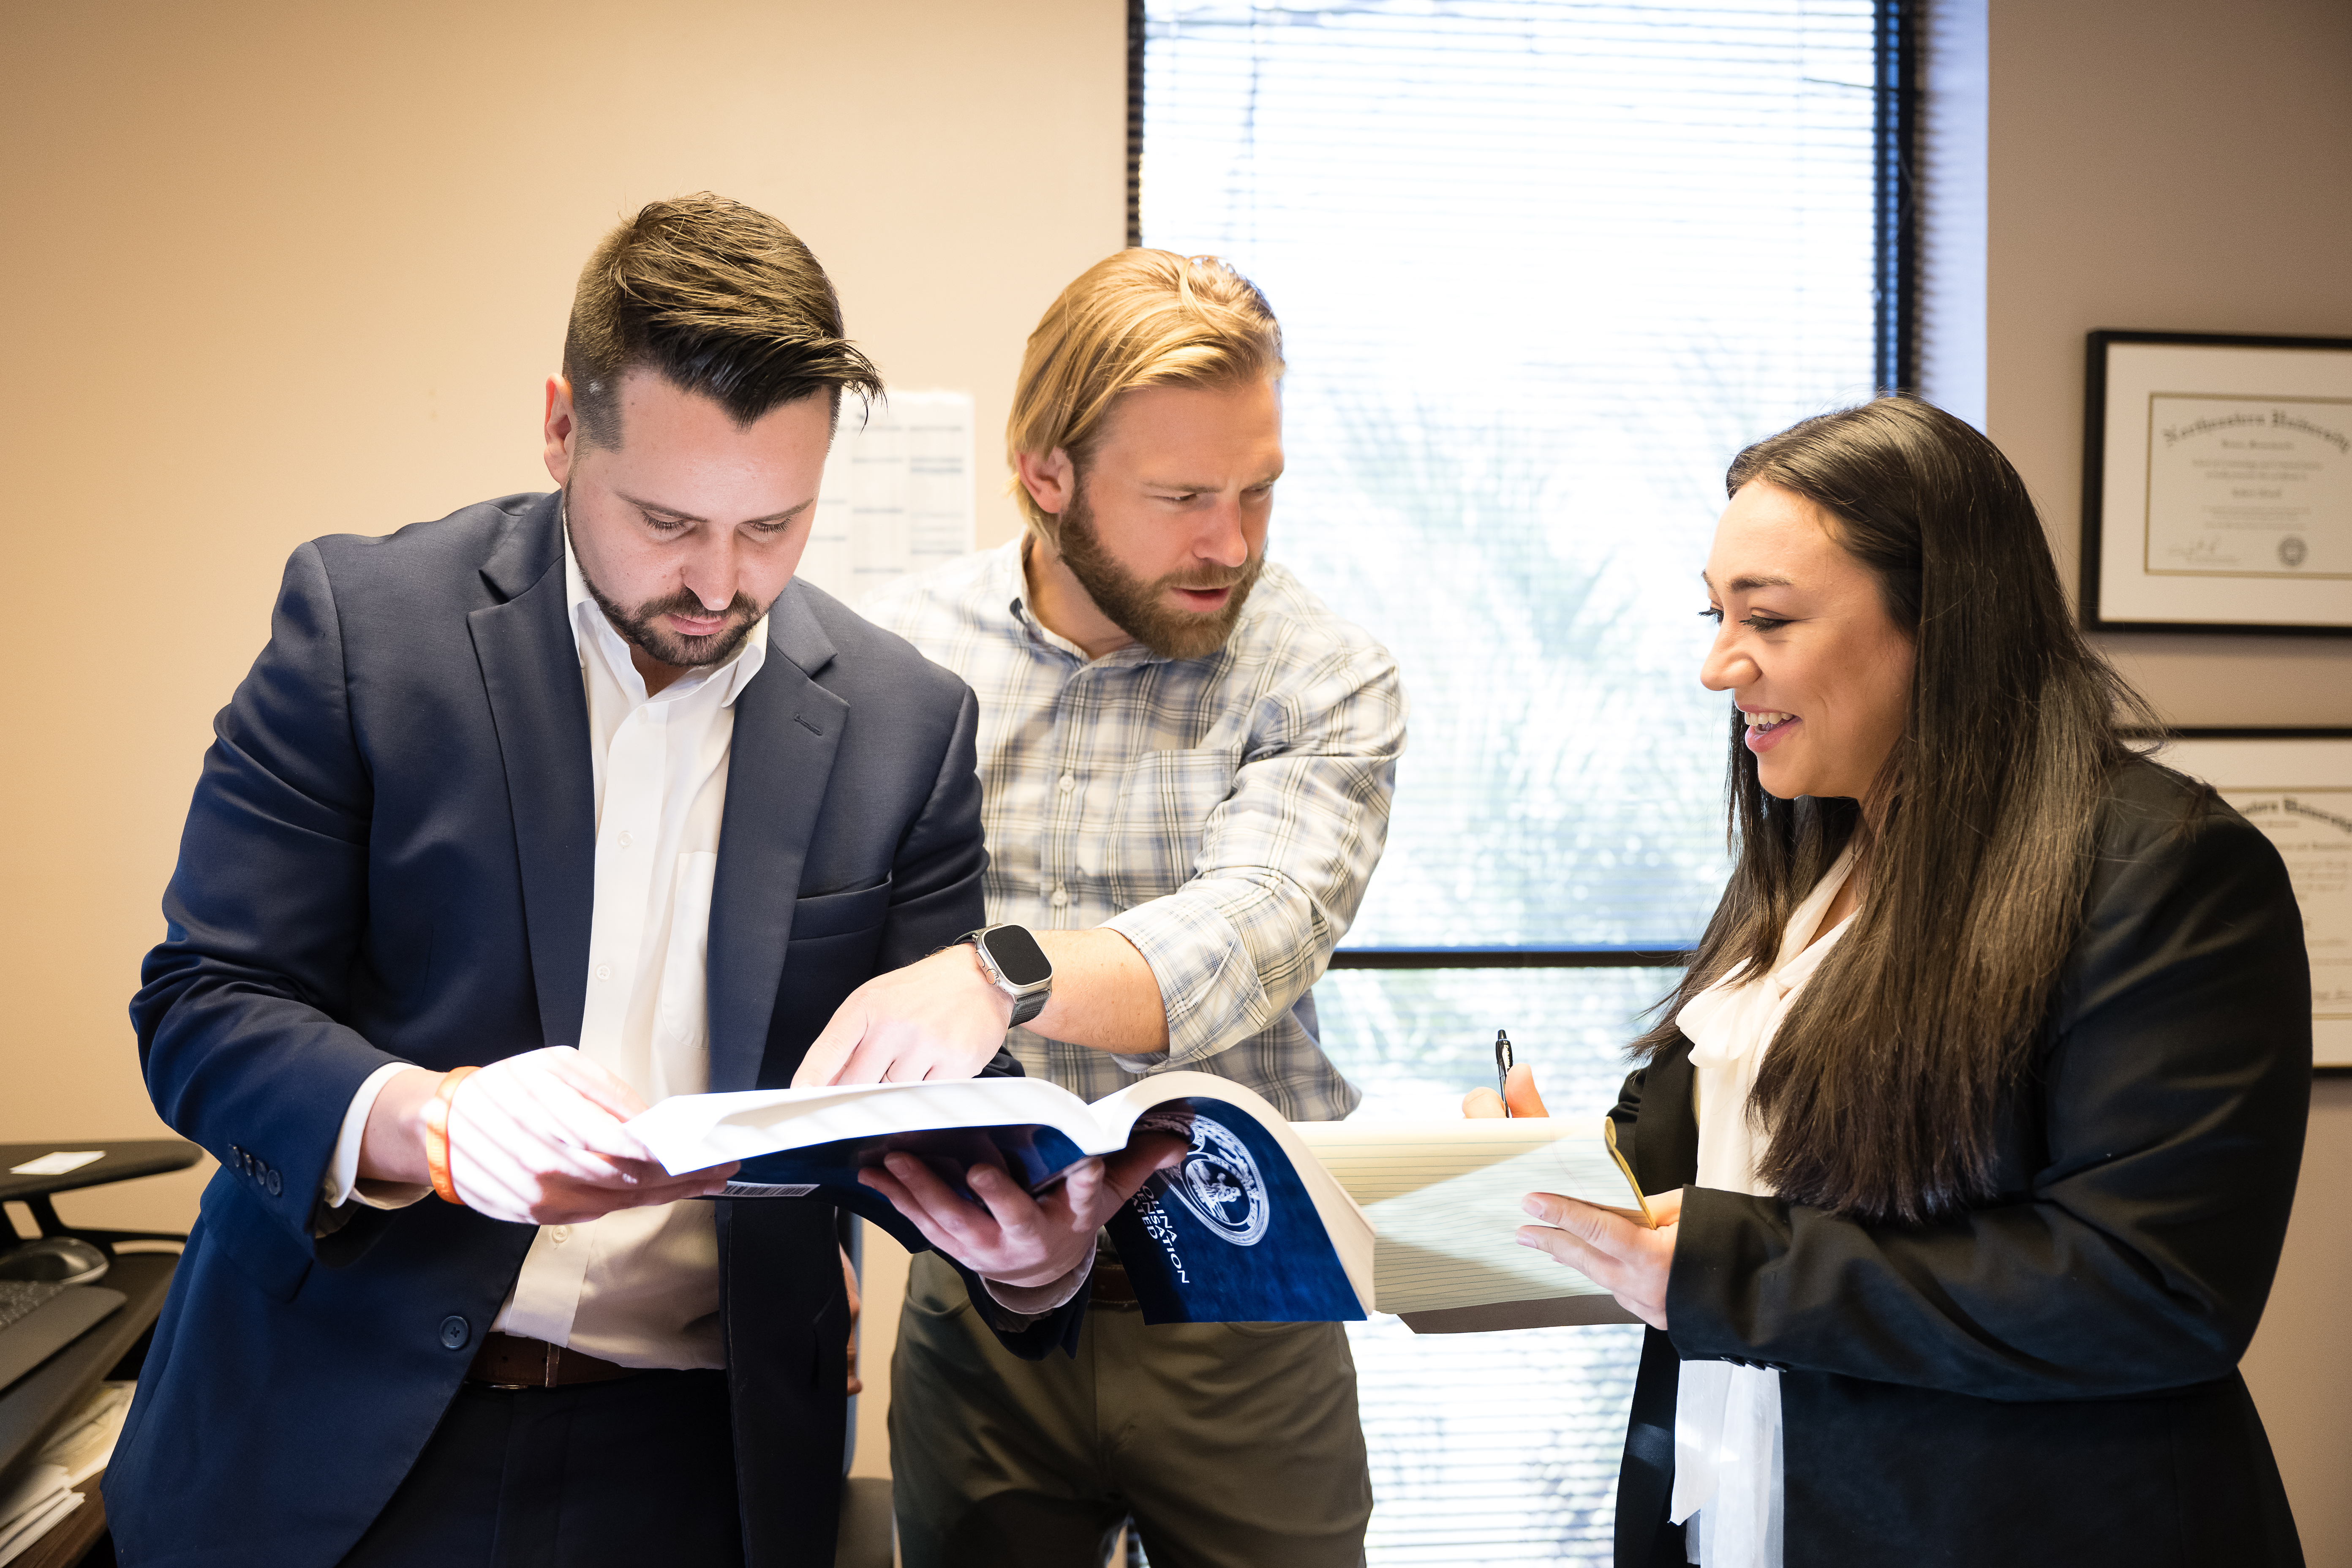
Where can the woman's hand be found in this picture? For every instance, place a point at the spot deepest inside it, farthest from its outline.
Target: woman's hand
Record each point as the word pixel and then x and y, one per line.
pixel 1524 1101
pixel 1611 1248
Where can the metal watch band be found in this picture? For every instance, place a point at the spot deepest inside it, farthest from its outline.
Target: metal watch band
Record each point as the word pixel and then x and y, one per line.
pixel 1028 1001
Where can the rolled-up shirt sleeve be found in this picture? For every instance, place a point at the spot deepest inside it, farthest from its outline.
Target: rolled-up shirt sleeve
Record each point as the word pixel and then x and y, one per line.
pixel 1283 860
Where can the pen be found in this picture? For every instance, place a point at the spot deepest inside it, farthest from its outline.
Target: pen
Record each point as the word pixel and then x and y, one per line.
pixel 1503 1068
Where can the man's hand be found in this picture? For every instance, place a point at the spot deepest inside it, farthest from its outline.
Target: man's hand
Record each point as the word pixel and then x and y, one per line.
pixel 1015 1239
pixel 536 1138
pixel 1622 1255
pixel 938 1017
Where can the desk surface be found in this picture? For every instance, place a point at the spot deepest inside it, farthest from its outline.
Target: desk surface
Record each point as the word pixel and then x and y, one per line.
pixel 124 1160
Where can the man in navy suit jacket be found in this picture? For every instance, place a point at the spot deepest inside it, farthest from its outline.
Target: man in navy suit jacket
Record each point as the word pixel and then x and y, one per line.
pixel 583 791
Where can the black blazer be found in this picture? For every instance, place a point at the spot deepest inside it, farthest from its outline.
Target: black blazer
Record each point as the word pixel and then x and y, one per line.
pixel 2052 1377
pixel 391 857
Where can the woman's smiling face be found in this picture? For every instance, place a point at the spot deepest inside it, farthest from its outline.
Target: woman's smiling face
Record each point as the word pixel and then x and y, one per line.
pixel 1806 648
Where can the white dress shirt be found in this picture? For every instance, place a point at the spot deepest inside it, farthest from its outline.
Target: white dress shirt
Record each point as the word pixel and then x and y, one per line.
pixel 1728 1440
pixel 640 1287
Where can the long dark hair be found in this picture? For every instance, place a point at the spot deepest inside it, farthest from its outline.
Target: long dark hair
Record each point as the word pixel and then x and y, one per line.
pixel 1881 1089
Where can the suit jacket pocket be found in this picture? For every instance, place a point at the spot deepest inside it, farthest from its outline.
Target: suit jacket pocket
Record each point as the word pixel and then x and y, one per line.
pixel 274 1261
pixel 840 914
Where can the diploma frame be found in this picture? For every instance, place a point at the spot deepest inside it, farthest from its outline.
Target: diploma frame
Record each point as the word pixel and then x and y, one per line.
pixel 2185 529
pixel 2296 785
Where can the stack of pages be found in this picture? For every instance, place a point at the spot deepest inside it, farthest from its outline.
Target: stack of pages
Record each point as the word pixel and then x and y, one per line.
pixel 46 1494
pixel 1265 1221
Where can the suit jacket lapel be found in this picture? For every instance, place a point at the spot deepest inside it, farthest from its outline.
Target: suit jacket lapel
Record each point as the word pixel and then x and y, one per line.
pixel 530 668
pixel 787 730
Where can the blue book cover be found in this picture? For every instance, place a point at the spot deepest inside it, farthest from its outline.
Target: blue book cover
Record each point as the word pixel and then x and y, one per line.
pixel 1231 1235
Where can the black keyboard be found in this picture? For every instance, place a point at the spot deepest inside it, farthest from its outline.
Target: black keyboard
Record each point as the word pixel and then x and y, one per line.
pixel 18 1297
pixel 39 1317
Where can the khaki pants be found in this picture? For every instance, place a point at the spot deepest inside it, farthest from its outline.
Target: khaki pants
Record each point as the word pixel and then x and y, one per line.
pixel 1234 1445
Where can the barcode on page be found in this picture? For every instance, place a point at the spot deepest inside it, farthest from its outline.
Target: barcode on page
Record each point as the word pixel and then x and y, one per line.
pixel 768 1189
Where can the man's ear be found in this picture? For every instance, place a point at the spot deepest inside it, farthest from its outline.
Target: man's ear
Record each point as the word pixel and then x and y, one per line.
pixel 1051 480
pixel 562 430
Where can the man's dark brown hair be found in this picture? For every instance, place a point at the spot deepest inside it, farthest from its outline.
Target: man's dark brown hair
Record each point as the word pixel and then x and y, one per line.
pixel 719 298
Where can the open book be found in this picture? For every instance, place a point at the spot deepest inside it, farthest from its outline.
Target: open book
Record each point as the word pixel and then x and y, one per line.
pixel 1265 1221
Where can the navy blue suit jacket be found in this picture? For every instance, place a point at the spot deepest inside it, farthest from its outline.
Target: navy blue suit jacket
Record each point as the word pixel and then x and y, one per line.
pixel 390 857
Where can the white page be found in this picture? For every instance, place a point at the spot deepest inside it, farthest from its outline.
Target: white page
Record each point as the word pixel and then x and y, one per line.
pixel 20 1534
pixel 1444 1197
pixel 690 1132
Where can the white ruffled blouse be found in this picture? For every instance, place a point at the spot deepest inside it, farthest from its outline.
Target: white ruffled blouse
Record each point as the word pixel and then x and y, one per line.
pixel 1728 1418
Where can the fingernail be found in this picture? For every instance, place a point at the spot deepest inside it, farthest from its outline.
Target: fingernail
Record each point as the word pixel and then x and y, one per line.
pixel 1531 1206
pixel 1525 1238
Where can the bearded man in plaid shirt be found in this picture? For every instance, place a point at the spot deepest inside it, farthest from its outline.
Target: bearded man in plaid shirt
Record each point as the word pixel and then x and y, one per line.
pixel 1186 762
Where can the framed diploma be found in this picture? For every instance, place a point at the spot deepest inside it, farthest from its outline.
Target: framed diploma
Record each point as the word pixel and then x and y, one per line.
pixel 2296 786
pixel 2217 483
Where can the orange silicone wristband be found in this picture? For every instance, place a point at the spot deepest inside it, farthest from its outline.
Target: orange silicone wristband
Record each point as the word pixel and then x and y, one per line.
pixel 436 1132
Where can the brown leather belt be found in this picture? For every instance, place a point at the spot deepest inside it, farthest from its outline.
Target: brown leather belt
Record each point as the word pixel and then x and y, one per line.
pixel 510 1361
pixel 1110 1285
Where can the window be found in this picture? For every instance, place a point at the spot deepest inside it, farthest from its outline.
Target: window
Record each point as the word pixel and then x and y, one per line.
pixel 1543 265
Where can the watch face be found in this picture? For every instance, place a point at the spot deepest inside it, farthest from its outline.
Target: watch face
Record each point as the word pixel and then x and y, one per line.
pixel 1017 956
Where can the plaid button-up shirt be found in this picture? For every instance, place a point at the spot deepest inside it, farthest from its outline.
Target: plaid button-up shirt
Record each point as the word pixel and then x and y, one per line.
pixel 1223 813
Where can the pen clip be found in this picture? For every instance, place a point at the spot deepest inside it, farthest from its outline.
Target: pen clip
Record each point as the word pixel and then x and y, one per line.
pixel 1503 1070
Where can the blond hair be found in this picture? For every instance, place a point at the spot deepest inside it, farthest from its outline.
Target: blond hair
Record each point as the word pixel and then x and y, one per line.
pixel 1140 318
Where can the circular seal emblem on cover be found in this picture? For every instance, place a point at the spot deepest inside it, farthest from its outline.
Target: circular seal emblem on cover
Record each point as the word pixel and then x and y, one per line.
pixel 1220 1181
pixel 2292 552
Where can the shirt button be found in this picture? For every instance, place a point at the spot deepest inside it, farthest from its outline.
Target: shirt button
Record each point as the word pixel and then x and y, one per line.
pixel 604 971
pixel 560 1235
pixel 627 841
pixel 1069 783
pixel 1060 897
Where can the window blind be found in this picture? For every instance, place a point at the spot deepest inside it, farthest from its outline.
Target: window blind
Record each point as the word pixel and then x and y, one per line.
pixel 1542 267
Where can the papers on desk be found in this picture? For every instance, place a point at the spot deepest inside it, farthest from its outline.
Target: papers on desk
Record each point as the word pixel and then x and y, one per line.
pixel 896 496
pixel 46 1495
pixel 63 1163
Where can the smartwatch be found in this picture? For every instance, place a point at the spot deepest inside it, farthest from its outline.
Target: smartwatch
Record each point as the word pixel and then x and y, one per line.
pixel 1016 966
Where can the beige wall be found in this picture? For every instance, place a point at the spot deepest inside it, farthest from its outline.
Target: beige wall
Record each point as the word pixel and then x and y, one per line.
pixel 280 270
pixel 2176 166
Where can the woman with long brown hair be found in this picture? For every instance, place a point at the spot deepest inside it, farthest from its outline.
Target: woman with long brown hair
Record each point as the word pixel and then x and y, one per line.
pixel 1979 1110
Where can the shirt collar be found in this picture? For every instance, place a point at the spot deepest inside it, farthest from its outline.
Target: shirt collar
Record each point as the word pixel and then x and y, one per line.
pixel 1008 585
pixel 590 624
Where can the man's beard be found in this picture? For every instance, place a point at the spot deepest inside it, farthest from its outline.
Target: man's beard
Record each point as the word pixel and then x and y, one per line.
pixel 640 626
pixel 1140 608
